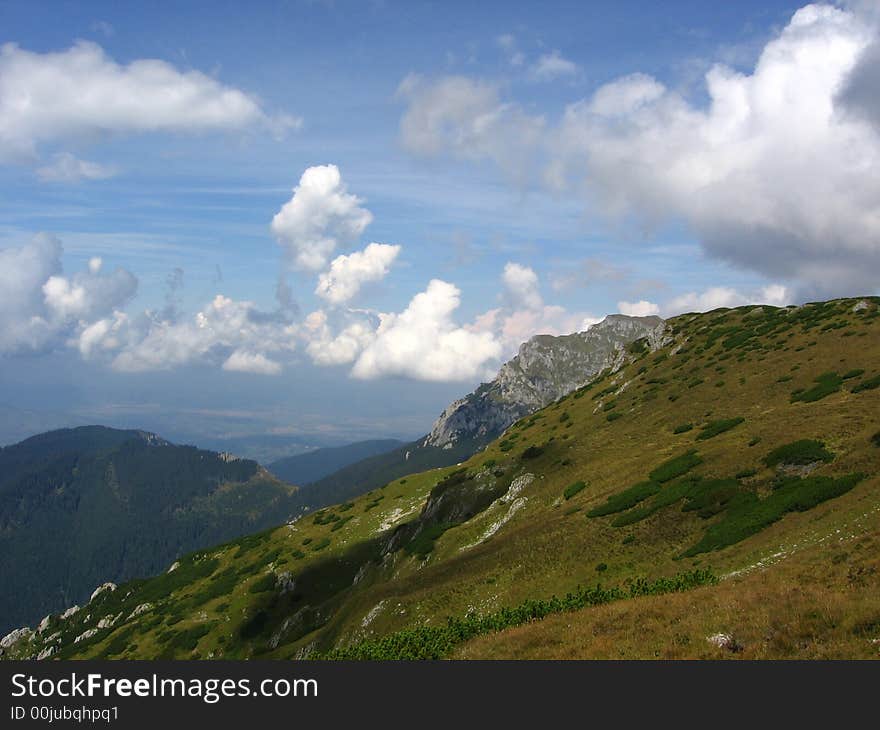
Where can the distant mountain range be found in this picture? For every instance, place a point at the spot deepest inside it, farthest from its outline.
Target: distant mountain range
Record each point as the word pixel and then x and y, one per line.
pixel 306 468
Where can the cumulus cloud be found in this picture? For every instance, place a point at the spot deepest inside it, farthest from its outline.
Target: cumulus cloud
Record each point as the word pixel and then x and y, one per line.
pixel 521 285
pixel 357 330
pixel 348 273
pixel 715 297
pixel 551 66
pixel 65 168
pixel 242 361
pixel 424 342
pixel 40 307
pixel 320 215
pixel 81 93
pixel 775 172
pixel 467 118
pixel 232 332
pixel 641 308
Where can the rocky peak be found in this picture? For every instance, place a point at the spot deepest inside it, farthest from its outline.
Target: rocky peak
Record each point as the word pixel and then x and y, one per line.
pixel 545 368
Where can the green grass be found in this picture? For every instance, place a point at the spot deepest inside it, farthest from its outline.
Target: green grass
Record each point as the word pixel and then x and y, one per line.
pixel 714 428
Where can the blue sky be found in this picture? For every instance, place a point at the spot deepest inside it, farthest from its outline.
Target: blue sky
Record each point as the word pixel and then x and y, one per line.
pixel 546 163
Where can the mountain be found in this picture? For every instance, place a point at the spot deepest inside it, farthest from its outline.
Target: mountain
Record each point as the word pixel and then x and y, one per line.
pixel 545 369
pixel 83 506
pixel 313 465
pixel 717 497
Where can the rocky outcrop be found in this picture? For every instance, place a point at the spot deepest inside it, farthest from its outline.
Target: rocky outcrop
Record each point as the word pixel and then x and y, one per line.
pixel 545 369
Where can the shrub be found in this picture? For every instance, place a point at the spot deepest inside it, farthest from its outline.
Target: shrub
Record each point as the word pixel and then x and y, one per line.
pixel 573 489
pixel 628 539
pixel 714 428
pixel 601 567
pixel 800 452
pixel 875 439
pixel 852 374
pixel 826 384
pixel 683 428
pixel 341 523
pixel 745 473
pixel 870 384
pixel 676 466
pixel 613 416
pixel 321 544
pixel 625 499
pixel 532 452
pixel 263 583
pixel 749 515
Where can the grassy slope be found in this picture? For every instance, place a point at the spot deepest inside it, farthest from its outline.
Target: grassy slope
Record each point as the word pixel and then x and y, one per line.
pixel 542 544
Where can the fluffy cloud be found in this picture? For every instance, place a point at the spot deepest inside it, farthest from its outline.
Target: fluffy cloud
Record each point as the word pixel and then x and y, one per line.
pixel 467 118
pixel 40 307
pixel 348 273
pixel 81 93
pixel 319 216
pixel 242 361
pixel 719 296
pixel 638 309
pixel 775 173
pixel 234 333
pixel 521 286
pixel 66 168
pixel 551 66
pixel 423 341
pixel 772 175
pixel 325 348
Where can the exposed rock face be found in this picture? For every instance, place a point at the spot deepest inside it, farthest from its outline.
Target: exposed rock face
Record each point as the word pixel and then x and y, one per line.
pixel 545 369
pixel 15 636
pixel 101 589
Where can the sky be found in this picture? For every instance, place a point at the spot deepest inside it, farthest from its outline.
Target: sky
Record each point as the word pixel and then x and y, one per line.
pixel 327 220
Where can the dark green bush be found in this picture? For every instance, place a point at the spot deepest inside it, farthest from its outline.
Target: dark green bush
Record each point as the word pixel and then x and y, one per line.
pixel 852 374
pixel 263 583
pixel 601 567
pixel 532 452
pixel 826 384
pixel 714 428
pixel 676 466
pixel 683 428
pixel 613 416
pixel 870 384
pixel 573 489
pixel 800 452
pixel 625 499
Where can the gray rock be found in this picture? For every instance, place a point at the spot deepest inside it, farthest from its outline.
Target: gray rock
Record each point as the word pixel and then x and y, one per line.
pixel 545 369
pixel 102 589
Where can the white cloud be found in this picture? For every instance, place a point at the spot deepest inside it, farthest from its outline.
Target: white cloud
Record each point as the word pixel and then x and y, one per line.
pixel 641 308
pixel 348 273
pixel 775 173
pixel 423 342
pixel 467 118
pixel 242 361
pixel 40 307
pixel 66 168
pixel 81 93
pixel 551 66
pixel 325 348
pixel 319 216
pixel 521 285
pixel 716 297
pixel 233 332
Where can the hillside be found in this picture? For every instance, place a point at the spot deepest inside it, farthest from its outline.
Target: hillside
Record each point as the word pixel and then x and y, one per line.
pixel 82 506
pixel 545 368
pixel 724 489
pixel 309 467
